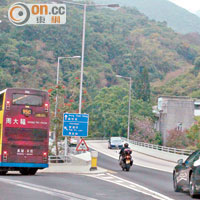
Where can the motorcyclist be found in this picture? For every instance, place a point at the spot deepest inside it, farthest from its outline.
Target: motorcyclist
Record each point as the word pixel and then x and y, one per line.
pixel 122 152
pixel 123 148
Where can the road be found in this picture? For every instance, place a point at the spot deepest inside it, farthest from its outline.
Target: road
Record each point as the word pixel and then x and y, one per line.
pixel 137 184
pixel 156 180
pixel 50 186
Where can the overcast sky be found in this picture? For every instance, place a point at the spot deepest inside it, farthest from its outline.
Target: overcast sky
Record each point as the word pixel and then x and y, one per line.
pixel 191 5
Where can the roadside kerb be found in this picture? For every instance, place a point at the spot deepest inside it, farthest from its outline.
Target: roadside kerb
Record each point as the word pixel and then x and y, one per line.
pixel 79 164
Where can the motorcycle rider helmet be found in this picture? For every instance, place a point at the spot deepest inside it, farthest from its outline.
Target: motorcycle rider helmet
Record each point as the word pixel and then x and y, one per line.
pixel 126 145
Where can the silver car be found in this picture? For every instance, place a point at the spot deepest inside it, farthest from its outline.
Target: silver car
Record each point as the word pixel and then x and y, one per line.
pixel 115 142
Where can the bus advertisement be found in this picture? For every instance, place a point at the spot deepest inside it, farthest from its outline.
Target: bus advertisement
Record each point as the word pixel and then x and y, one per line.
pixel 24 130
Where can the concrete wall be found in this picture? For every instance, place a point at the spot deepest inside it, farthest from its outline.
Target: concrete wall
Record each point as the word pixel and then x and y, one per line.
pixel 176 111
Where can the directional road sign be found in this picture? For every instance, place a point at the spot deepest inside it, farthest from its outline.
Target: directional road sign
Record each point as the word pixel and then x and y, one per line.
pixel 75 124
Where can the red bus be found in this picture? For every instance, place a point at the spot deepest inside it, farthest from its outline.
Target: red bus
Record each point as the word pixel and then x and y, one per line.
pixel 24 130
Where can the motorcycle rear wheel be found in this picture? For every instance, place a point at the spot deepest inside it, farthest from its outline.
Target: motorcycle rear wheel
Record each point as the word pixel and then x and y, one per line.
pixel 127 168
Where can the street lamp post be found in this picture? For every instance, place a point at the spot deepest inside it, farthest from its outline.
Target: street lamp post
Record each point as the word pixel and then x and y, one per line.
pixel 56 104
pixel 83 40
pixel 57 80
pixel 129 104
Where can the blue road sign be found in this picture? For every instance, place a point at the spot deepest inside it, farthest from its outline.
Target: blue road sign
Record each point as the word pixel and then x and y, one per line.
pixel 75 124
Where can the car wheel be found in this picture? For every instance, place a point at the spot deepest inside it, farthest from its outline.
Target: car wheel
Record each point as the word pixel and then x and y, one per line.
pixel 177 188
pixel 192 188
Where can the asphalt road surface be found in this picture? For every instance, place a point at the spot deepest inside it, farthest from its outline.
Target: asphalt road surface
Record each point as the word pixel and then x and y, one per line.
pixel 156 180
pixel 50 186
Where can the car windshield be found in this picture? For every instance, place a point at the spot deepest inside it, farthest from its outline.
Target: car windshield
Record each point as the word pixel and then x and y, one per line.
pixel 116 141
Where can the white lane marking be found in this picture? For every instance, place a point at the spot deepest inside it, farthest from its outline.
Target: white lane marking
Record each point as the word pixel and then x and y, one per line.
pixel 43 191
pixel 50 191
pixel 119 181
pixel 115 157
pixel 100 174
pixel 130 185
pixel 107 177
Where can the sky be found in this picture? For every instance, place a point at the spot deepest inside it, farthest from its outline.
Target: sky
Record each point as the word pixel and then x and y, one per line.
pixel 191 5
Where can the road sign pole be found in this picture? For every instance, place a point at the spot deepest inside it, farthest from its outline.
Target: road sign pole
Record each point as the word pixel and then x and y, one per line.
pixel 66 148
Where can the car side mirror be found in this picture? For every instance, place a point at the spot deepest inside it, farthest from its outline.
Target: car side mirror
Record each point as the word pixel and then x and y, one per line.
pixel 180 161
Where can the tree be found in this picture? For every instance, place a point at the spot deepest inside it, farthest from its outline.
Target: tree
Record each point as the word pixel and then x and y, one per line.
pixel 194 134
pixel 109 112
pixel 141 86
pixel 143 130
pixel 67 103
pixel 197 66
pixel 177 139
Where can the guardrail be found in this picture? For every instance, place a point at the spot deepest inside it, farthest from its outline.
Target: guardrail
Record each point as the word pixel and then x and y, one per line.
pixel 160 148
pixel 59 159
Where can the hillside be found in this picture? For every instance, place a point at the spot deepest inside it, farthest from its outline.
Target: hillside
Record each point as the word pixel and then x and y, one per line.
pixel 181 20
pixel 186 84
pixel 117 41
pixel 121 41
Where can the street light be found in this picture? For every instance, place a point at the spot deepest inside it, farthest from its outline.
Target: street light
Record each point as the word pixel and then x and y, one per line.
pixel 83 39
pixel 129 104
pixel 57 81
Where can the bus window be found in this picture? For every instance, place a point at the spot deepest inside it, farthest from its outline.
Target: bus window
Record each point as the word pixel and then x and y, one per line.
pixel 24 99
pixel 1 101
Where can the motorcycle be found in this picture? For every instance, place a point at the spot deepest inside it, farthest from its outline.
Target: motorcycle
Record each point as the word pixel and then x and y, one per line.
pixel 126 160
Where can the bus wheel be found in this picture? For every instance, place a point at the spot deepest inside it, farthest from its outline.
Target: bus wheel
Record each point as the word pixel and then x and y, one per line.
pixel 3 172
pixel 24 171
pixel 32 171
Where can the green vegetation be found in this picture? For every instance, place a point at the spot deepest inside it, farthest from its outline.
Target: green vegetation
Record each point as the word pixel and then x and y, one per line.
pixel 184 85
pixel 119 41
pixel 186 139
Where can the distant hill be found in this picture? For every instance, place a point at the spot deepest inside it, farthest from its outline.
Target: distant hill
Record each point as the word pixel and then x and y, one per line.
pixel 176 17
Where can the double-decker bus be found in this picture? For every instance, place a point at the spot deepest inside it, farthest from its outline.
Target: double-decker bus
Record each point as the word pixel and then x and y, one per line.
pixel 24 130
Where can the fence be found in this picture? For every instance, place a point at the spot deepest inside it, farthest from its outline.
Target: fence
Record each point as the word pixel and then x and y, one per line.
pixel 64 159
pixel 160 148
pixel 59 159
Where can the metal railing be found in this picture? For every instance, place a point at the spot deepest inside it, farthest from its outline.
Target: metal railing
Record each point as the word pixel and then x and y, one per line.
pixel 59 159
pixel 160 148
